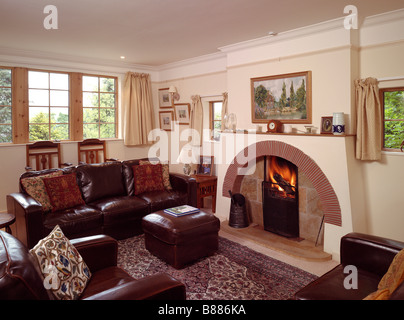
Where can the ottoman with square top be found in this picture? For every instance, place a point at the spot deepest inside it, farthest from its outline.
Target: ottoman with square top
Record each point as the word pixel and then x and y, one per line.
pixel 181 240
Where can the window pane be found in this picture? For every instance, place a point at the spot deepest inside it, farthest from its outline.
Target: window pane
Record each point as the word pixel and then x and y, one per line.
pixel 90 99
pixel 107 100
pixel 60 131
pixel 393 134
pixel 90 83
pixel 60 115
pixel 107 131
pixel 38 132
pixel 90 131
pixel 59 81
pixel 38 80
pixel 394 105
pixel 107 115
pixel 5 96
pixel 38 115
pixel 5 133
pixel 107 85
pixel 217 111
pixel 90 115
pixel 5 115
pixel 59 98
pixel 5 77
pixel 38 97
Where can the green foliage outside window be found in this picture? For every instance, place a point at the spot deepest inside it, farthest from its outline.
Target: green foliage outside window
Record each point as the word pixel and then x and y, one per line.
pixel 5 106
pixel 393 119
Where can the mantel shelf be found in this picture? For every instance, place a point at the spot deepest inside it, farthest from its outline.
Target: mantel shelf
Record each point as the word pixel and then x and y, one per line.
pixel 290 134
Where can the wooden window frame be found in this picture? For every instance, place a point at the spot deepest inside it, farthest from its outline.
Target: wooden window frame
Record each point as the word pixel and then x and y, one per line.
pixel 381 98
pixel 211 118
pixel 99 102
pixel 20 104
pixel 49 72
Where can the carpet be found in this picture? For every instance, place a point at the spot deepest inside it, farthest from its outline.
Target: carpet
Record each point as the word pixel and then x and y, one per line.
pixel 234 272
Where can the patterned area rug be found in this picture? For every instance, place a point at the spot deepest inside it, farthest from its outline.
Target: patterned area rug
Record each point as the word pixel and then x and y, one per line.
pixel 234 272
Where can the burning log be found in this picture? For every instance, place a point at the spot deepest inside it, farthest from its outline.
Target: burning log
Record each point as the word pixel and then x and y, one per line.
pixel 286 186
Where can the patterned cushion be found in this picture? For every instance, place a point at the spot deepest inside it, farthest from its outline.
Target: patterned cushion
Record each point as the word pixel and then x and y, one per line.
pixel 148 177
pixel 166 172
pixel 63 191
pixel 64 271
pixel 35 187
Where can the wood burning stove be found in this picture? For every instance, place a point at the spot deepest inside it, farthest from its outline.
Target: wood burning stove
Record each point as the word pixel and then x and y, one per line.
pixel 280 197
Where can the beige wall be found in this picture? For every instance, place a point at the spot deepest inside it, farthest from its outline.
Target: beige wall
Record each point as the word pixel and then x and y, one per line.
pixel 383 181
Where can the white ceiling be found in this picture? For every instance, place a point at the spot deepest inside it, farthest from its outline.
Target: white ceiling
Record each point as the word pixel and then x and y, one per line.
pixel 157 32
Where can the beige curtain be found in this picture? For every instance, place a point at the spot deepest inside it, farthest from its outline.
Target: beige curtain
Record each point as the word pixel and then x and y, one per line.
pixel 369 120
pixel 196 120
pixel 138 111
pixel 224 108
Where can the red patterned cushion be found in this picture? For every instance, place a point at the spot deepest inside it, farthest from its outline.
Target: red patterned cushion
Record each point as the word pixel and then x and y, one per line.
pixel 63 192
pixel 148 177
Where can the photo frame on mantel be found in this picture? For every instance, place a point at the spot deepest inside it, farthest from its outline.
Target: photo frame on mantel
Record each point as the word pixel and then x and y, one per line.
pixel 285 97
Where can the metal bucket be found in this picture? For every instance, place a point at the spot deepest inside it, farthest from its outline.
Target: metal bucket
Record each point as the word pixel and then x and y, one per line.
pixel 238 212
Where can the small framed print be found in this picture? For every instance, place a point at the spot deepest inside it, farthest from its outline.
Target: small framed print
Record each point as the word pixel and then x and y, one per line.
pixel 165 98
pixel 182 111
pixel 166 120
pixel 326 125
pixel 205 166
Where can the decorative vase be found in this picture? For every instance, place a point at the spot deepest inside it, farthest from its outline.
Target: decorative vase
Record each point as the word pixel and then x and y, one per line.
pixel 230 122
pixel 338 123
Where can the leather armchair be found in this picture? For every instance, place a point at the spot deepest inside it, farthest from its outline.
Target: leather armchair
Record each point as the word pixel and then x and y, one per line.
pixel 371 255
pixel 20 278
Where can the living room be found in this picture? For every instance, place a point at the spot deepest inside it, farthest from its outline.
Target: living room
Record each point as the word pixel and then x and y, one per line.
pixel 366 192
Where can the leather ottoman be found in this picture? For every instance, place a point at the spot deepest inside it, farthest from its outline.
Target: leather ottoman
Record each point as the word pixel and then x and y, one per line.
pixel 181 240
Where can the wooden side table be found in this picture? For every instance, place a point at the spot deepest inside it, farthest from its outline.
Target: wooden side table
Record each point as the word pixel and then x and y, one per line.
pixel 206 187
pixel 6 220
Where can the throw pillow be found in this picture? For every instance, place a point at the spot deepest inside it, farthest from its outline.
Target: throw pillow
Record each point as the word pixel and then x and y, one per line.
pixel 35 187
pixel 166 172
pixel 147 177
pixel 65 273
pixel 391 280
pixel 63 191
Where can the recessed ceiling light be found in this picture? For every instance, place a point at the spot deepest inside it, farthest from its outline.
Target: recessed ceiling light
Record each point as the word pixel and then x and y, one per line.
pixel 272 33
pixel 123 57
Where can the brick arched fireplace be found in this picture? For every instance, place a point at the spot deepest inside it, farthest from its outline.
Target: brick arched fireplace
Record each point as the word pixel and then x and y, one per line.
pixel 326 193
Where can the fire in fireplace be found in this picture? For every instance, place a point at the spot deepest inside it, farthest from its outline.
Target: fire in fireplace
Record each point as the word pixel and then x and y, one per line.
pixel 280 197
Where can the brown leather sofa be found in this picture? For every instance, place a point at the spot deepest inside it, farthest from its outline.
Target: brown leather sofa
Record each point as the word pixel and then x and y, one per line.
pixel 20 278
pixel 110 207
pixel 371 255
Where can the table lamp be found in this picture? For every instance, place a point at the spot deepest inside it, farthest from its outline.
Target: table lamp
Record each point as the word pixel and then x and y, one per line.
pixel 187 156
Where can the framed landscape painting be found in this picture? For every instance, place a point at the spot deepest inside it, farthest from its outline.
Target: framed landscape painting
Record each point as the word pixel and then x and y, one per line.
pixel 165 100
pixel 285 97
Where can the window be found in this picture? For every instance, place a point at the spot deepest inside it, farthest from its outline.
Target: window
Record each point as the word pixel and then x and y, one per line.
pixel 215 119
pixel 99 107
pixel 48 105
pixel 392 100
pixel 5 106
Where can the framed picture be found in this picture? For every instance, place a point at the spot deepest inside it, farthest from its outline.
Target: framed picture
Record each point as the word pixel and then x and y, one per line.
pixel 285 97
pixel 165 99
pixel 326 125
pixel 182 112
pixel 205 166
pixel 166 120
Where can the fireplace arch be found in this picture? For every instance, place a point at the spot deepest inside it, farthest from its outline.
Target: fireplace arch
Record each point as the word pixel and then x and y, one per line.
pixel 326 193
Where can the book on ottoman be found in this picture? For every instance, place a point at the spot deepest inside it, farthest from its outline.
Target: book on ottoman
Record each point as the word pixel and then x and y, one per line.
pixel 181 210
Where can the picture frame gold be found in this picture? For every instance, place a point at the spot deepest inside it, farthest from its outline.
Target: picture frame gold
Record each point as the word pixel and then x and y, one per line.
pixel 326 125
pixel 165 98
pixel 182 112
pixel 166 120
pixel 284 97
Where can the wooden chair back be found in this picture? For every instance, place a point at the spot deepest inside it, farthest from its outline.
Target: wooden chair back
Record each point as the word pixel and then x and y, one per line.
pixel 45 153
pixel 91 151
